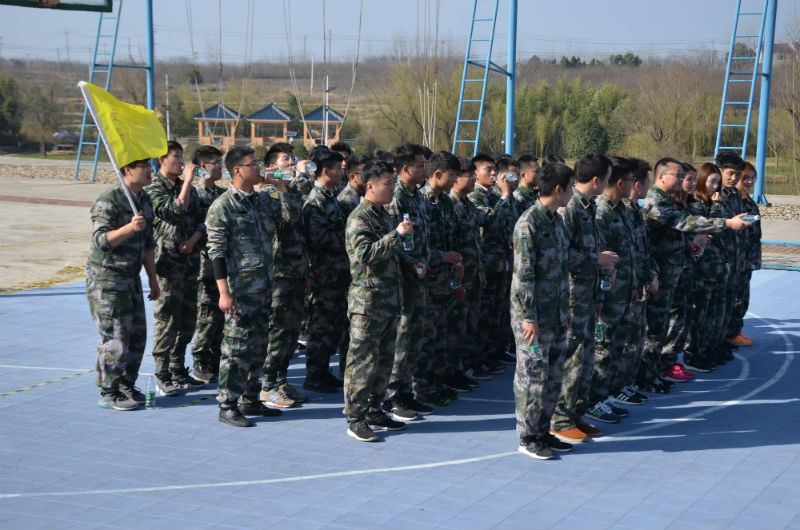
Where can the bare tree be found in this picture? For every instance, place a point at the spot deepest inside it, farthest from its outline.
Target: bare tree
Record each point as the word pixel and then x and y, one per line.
pixel 44 114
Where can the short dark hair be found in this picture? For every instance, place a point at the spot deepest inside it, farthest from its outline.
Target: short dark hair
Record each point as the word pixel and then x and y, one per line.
pixel 620 168
pixel 466 165
pixel 373 169
pixel 316 151
pixel 235 156
pixel 686 167
pixel 136 163
pixel 552 159
pixel 553 175
pixel 281 147
pixel 729 161
pixel 326 159
pixel 640 169
pixel 205 154
pixel 172 145
pixel 526 161
pixel 443 161
pixel 663 164
pixel 406 154
pixel 504 162
pixel 342 147
pixel 591 166
pixel 482 157
pixel 356 160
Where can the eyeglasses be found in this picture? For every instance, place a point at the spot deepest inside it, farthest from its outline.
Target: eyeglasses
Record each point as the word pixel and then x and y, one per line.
pixel 253 164
pixel 679 176
pixel 218 163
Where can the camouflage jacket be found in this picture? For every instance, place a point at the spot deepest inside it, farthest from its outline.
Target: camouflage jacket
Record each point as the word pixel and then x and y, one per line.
pixel 646 268
pixel 751 237
pixel 616 234
pixel 712 262
pixel 540 284
pixel 325 227
pixel 111 211
pixel 525 198
pixel 304 184
pixel 174 223
pixel 466 238
pixel 666 225
pixel 207 196
pixel 241 228
pixel 581 230
pixel 290 259
pixel 375 250
pixel 408 201
pixel 348 199
pixel 441 231
pixel 494 237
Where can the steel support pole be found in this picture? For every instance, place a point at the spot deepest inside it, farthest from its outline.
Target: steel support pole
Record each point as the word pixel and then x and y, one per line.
pixel 151 73
pixel 511 80
pixel 763 104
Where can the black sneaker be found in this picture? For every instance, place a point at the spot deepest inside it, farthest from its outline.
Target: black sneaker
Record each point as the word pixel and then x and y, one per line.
pixel 256 408
pixel 379 421
pixel 493 368
pixel 165 387
pixel 360 431
pixel 434 400
pixel 619 411
pixel 536 449
pixel 633 391
pixel 233 416
pixel 117 400
pixel 625 397
pixel 602 412
pixel 201 373
pixel 132 392
pixel 333 380
pixel 182 379
pixel 399 411
pixel 555 444
pixel 448 393
pixel 319 385
pixel 457 383
pixel 476 374
pixel 410 403
pixel 667 382
pixel 506 358
pixel 698 364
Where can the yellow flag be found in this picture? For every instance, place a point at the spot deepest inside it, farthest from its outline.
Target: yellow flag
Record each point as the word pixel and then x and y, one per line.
pixel 130 132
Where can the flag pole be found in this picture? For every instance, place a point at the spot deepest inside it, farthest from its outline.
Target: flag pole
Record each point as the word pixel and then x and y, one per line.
pixel 90 105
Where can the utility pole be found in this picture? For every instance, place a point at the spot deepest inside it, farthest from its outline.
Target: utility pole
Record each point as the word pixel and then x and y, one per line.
pixel 166 100
pixel 66 37
pixel 312 74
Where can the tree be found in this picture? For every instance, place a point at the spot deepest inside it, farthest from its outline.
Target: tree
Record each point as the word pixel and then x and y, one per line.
pixel 10 106
pixel 44 114
pixel 194 76
pixel 586 136
pixel 628 59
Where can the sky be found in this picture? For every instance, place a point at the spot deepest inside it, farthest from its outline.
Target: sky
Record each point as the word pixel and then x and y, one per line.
pixel 585 28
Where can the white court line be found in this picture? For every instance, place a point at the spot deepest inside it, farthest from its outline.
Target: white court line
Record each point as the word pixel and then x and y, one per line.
pixel 778 375
pixel 45 368
pixel 481 400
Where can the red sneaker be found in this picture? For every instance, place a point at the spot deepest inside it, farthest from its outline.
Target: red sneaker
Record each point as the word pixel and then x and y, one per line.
pixel 683 370
pixel 674 373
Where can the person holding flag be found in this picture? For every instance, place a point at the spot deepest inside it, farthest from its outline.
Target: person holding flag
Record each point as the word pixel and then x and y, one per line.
pixel 122 242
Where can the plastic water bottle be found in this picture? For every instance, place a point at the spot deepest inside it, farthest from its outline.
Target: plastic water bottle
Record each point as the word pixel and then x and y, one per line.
pixel 598 332
pixel 408 239
pixel 280 174
pixel 150 393
pixel 311 167
pixel 511 177
pixel 535 349
pixel 605 281
pixel 226 174
pixel 751 218
pixel 455 283
pixel 201 173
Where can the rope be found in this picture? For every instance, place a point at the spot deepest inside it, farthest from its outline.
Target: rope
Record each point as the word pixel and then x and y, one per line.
pixel 355 65
pixel 286 19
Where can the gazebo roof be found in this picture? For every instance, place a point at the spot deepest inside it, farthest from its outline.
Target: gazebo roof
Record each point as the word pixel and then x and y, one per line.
pixel 218 112
pixel 271 113
pixel 318 115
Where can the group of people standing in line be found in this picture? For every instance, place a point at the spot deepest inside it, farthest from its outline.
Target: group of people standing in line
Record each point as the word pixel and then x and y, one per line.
pixel 428 274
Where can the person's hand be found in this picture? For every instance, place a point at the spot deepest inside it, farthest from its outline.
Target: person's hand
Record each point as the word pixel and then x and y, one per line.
pixel 702 239
pixel 716 196
pixel 301 166
pixel 505 188
pixel 607 259
pixel 460 293
pixel 227 304
pixel 155 290
pixel 737 223
pixel 693 247
pixel 186 247
pixel 138 222
pixel 569 320
pixel 420 270
pixel 635 295
pixel 406 228
pixel 451 257
pixel 188 173
pixel 529 331
pixel 460 270
pixel 653 287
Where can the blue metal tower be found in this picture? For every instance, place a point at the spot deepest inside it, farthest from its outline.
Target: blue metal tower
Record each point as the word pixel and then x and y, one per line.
pixel 741 77
pixel 474 79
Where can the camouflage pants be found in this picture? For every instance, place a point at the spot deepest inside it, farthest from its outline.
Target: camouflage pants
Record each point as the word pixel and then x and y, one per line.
pixel 537 379
pixel 244 347
pixel 285 319
pixel 608 352
pixel 174 318
pixel 432 365
pixel 730 299
pixel 679 318
pixel 658 310
pixel 714 331
pixel 701 298
pixel 369 363
pixel 505 335
pixel 408 343
pixel 578 362
pixel 327 325
pixel 634 327
pixel 740 303
pixel 117 308
pixel 462 324
pixel 210 323
pixel 489 333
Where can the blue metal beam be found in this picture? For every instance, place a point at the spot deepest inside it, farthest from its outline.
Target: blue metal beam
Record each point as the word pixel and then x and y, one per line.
pixel 763 109
pixel 512 75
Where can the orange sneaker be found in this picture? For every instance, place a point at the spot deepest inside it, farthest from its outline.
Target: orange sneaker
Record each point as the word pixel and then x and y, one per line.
pixel 745 337
pixel 591 430
pixel 740 340
pixel 572 436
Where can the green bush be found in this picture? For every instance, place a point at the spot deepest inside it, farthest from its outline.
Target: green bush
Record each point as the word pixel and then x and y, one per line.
pixel 586 136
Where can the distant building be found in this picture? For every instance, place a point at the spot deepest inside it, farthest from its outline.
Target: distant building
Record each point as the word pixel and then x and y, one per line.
pixel 217 126
pixel 314 126
pixel 269 125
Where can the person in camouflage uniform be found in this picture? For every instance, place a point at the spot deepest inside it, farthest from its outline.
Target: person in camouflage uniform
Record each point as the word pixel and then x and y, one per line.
pixel 463 314
pixel 666 225
pixel 241 226
pixel 751 253
pixel 527 192
pixel 329 274
pixel 179 226
pixel 508 170
pixel 540 311
pixel 444 269
pixel 585 262
pixel 290 264
pixel 351 195
pixel 122 241
pixel 494 210
pixel 376 257
pixel 210 320
pixel 409 161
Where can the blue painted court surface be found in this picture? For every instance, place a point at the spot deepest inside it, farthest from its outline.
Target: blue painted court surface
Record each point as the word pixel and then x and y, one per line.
pixel 722 451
